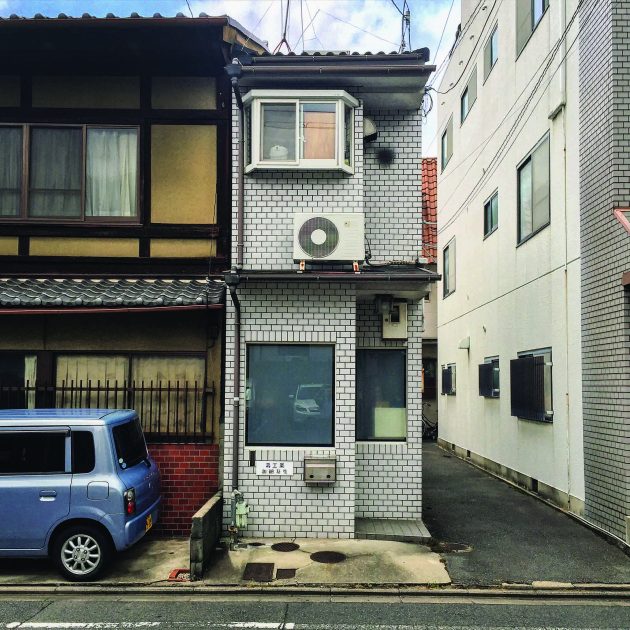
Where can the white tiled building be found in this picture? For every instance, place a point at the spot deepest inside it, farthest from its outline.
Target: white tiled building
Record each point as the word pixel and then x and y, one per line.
pixel 317 378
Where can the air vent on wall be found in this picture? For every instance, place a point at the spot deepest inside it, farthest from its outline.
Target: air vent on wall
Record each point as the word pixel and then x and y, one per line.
pixel 329 237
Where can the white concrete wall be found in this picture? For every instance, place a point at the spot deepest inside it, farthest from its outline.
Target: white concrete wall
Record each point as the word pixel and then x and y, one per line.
pixel 511 298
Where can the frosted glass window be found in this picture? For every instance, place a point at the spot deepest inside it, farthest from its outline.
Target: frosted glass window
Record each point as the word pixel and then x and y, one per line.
pixel 289 395
pixel 381 396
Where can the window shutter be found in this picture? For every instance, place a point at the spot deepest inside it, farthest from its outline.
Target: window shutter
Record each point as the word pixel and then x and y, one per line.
pixel 523 23
pixel 447 380
pixel 486 373
pixel 527 388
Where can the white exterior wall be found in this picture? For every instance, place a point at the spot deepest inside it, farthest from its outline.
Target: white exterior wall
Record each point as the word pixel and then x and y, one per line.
pixel 510 298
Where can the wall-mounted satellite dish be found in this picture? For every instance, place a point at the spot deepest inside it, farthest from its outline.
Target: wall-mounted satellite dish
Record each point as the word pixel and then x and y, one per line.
pixel 369 130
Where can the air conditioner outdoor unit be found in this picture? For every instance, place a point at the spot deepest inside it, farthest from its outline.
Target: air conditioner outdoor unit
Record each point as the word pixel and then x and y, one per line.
pixel 329 237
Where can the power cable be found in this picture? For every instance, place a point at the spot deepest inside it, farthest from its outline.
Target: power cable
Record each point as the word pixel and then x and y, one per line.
pixel 359 28
pixel 474 51
pixel 188 5
pixel 312 22
pixel 493 164
pixel 258 23
pixel 304 30
pixel 443 30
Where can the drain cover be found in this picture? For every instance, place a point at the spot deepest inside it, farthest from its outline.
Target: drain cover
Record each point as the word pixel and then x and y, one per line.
pixel 285 546
pixel 285 574
pixel 328 557
pixel 258 572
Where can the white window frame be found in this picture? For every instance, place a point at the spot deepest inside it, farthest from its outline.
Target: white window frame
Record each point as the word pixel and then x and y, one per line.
pixel 255 99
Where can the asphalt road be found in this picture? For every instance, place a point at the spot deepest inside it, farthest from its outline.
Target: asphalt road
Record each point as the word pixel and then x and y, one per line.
pixel 188 613
pixel 514 537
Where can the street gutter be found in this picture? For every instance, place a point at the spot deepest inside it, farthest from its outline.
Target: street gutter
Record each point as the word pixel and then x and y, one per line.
pixel 513 591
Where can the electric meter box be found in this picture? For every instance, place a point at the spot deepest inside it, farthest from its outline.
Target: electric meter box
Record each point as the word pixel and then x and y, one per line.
pixel 320 471
pixel 395 321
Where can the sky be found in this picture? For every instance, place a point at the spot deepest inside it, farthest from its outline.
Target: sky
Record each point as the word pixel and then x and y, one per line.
pixel 356 25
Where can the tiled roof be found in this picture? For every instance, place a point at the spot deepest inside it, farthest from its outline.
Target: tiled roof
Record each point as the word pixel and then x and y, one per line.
pixel 107 292
pixel 429 209
pixel 344 53
pixel 110 16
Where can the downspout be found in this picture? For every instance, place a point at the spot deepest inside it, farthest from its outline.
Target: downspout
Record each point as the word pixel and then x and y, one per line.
pixel 232 280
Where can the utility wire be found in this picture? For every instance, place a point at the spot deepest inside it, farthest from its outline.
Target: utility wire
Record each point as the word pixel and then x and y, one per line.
pixel 304 30
pixel 312 22
pixel 458 41
pixel 258 23
pixel 188 5
pixel 493 164
pixel 437 50
pixel 397 9
pixel 358 28
pixel 474 51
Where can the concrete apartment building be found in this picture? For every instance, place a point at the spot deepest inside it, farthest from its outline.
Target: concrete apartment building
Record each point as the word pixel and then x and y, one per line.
pixel 509 246
pixel 534 249
pixel 323 415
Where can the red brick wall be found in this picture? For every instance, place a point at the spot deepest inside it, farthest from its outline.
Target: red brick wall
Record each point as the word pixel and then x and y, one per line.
pixel 190 476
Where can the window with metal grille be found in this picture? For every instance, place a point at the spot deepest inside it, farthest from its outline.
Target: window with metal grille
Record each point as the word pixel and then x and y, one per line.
pixel 531 386
pixel 448 379
pixel 489 378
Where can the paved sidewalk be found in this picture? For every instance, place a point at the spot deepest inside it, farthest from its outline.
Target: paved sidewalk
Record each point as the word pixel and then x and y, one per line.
pixel 514 537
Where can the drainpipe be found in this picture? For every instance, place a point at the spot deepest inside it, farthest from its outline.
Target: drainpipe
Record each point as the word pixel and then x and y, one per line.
pixel 232 279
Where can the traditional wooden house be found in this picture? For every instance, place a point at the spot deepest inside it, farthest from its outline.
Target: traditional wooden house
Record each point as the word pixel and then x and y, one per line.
pixel 115 204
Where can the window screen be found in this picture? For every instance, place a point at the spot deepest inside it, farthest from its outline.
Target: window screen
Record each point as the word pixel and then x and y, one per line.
pixel 381 396
pixel 10 171
pixel 289 395
pixel 531 386
pixel 32 452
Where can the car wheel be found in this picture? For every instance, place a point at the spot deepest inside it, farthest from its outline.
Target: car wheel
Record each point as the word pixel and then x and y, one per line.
pixel 81 553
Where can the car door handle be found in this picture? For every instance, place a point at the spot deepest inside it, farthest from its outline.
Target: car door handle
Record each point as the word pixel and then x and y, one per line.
pixel 47 495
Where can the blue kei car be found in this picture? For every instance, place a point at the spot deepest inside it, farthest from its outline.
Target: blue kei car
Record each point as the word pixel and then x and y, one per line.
pixel 75 485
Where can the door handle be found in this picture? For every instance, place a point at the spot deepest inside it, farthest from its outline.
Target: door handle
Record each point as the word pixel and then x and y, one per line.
pixel 47 495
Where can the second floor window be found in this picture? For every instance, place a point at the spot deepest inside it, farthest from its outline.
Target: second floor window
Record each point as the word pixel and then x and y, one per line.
pixel 528 14
pixel 68 173
pixel 300 129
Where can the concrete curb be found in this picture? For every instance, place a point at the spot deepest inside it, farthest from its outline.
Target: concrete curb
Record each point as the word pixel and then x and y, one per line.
pixel 543 590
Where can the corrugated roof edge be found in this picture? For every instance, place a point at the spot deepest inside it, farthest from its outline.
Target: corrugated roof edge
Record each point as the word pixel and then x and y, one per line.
pixel 422 53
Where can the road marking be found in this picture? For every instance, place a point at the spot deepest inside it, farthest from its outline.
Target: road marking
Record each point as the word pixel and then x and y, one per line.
pixel 239 625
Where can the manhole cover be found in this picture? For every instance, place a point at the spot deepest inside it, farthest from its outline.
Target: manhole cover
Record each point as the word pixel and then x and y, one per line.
pixel 328 557
pixel 285 574
pixel 285 546
pixel 258 572
pixel 451 547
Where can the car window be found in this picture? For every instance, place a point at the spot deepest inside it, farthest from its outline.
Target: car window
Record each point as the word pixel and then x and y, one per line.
pixel 83 456
pixel 32 452
pixel 131 448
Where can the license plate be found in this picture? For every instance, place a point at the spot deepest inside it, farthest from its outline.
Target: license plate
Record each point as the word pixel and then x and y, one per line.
pixel 149 524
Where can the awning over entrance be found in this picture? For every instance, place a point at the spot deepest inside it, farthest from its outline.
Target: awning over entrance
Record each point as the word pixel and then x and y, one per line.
pixel 72 295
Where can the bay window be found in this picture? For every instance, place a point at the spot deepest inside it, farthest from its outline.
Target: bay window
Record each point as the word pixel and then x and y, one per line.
pixel 299 129
pixel 68 173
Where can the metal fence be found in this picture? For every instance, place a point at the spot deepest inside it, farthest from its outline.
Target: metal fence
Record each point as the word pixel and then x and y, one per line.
pixel 168 410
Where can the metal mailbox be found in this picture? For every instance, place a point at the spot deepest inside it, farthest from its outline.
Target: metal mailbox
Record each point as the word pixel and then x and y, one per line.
pixel 320 471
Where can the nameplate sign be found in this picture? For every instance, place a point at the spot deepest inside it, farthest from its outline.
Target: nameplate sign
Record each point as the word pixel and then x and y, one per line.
pixel 274 469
